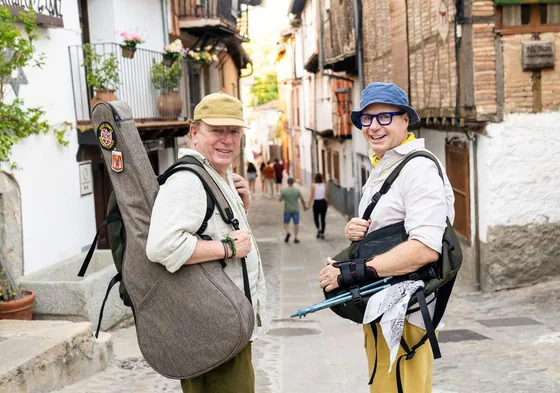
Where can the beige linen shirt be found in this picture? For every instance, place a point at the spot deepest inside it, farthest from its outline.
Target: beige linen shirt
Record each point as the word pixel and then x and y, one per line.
pixel 178 213
pixel 418 197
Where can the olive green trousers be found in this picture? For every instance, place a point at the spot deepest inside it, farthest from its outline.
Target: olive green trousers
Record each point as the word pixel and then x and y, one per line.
pixel 234 376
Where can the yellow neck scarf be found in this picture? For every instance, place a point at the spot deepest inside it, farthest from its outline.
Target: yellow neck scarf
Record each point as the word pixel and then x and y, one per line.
pixel 375 160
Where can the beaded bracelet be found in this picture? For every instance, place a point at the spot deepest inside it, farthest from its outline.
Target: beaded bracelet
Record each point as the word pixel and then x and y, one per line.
pixel 230 241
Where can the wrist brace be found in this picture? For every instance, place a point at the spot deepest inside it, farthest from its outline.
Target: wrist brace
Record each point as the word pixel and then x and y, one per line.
pixel 355 272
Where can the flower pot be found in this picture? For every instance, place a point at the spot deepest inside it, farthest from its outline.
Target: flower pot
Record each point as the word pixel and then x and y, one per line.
pixel 128 51
pixel 170 105
pixel 103 95
pixel 168 60
pixel 19 309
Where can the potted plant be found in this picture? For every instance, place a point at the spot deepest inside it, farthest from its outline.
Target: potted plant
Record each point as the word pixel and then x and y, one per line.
pixel 15 303
pixel 167 80
pixel 17 51
pixel 130 41
pixel 101 74
pixel 202 56
pixel 173 52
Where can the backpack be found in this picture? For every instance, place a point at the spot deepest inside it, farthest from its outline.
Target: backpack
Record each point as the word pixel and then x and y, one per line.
pixel 187 322
pixel 438 277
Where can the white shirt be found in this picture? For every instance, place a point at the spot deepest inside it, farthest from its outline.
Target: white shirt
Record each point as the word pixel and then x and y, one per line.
pixel 418 197
pixel 178 213
pixel 319 191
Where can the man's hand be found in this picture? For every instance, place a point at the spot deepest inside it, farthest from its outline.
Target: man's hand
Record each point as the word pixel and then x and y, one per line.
pixel 242 242
pixel 242 189
pixel 356 229
pixel 328 276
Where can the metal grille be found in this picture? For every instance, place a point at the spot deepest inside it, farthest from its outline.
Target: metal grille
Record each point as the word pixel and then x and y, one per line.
pixel 457 164
pixel 136 82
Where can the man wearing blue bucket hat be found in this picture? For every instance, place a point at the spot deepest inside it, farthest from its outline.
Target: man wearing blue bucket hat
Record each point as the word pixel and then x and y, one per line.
pixel 420 199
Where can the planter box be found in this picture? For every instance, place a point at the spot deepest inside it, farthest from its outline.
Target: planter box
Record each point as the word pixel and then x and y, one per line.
pixel 61 294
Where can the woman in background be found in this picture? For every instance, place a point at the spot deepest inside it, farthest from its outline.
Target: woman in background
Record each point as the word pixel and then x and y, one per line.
pixel 318 196
pixel 252 176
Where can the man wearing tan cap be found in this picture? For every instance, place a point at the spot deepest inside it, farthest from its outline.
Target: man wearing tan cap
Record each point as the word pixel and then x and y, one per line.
pixel 178 213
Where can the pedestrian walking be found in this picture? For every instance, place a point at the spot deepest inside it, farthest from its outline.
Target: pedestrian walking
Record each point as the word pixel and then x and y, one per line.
pixel 278 174
pixel 252 176
pixel 318 196
pixel 419 199
pixel 268 174
pixel 179 211
pixel 291 196
pixel 261 168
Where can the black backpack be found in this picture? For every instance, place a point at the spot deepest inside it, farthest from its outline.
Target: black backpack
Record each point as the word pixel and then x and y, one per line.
pixel 117 235
pixel 438 277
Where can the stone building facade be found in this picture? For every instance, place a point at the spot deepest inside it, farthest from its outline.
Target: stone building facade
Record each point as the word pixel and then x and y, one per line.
pixel 490 113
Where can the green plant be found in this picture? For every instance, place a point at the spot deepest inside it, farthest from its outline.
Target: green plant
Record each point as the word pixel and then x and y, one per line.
pixel 101 70
pixel 9 289
pixel 265 89
pixel 165 78
pixel 17 50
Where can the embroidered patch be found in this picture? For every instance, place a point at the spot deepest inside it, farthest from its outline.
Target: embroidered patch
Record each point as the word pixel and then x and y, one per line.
pixel 117 163
pixel 106 136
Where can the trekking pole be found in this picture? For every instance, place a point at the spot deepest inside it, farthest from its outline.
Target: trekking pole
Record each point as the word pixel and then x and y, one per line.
pixel 340 299
pixel 364 288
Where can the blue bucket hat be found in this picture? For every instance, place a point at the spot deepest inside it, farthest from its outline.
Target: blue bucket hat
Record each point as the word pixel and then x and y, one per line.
pixel 384 93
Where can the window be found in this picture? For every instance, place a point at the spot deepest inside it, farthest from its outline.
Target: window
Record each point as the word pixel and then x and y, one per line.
pixel 336 168
pixel 457 166
pixel 527 18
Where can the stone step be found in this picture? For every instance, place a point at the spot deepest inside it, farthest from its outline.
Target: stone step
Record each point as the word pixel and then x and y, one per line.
pixel 41 356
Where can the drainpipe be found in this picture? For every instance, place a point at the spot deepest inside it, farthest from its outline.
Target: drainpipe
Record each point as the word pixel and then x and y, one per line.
pixel 478 262
pixel 164 12
pixel 360 63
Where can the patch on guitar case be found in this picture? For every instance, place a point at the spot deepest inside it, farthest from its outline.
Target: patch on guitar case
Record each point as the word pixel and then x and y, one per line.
pixel 106 136
pixel 117 163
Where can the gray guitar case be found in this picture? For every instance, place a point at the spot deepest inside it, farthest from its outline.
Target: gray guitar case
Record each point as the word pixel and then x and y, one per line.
pixel 187 322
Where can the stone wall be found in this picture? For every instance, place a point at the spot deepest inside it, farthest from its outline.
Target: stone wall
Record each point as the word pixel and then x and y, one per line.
pixel 519 190
pixel 11 237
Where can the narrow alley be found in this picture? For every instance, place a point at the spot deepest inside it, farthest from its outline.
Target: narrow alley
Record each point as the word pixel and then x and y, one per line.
pixel 501 342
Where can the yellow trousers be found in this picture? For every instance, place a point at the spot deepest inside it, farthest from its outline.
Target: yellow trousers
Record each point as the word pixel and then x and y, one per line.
pixel 234 376
pixel 416 373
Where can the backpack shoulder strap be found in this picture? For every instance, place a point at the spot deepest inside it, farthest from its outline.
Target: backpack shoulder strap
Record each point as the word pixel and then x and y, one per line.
pixel 213 191
pixel 393 176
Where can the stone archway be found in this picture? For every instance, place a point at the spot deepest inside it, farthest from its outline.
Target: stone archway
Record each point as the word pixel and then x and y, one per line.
pixel 11 236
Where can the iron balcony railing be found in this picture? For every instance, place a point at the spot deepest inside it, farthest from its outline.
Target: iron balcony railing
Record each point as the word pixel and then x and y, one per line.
pixel 137 82
pixel 233 12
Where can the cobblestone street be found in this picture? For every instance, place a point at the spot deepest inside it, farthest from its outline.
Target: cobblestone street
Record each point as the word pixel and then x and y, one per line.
pixel 499 342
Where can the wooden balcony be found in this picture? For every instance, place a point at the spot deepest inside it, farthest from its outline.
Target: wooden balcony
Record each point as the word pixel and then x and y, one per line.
pixel 221 17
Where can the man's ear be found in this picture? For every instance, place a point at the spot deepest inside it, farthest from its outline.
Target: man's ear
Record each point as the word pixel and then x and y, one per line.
pixel 406 118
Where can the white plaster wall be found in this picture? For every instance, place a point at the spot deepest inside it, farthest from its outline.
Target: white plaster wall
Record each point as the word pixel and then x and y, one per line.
pixel 101 20
pixel 324 103
pixel 309 33
pixel 57 222
pixel 518 166
pixel 299 54
pixel 305 153
pixel 435 141
pixel 142 16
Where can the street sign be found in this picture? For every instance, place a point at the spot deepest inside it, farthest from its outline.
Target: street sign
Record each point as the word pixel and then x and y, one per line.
pixel 86 181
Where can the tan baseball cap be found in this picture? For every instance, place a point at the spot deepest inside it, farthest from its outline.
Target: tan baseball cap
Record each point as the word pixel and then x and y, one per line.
pixel 220 109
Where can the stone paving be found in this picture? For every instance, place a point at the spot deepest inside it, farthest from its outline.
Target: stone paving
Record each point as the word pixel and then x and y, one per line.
pixel 323 353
